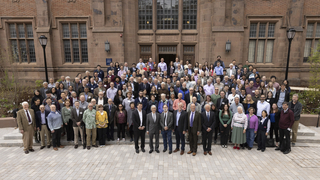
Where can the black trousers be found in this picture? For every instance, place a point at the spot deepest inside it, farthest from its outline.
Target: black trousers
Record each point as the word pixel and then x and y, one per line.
pixel 110 130
pixel 261 138
pixel 156 135
pixel 193 140
pixel 137 134
pixel 131 131
pixel 69 129
pixel 224 134
pixel 102 135
pixel 274 128
pixel 207 140
pixel 56 137
pixel 284 142
pixel 121 129
pixel 216 130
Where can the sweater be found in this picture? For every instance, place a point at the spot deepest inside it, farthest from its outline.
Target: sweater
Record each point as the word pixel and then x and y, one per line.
pixel 54 120
pixel 286 119
pixel 225 117
pixel 101 119
pixel 253 122
pixel 66 114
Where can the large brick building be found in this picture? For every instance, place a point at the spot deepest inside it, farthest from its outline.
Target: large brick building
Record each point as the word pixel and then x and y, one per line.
pixel 195 30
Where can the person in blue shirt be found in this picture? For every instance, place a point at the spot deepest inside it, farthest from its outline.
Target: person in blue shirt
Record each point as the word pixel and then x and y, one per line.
pixel 142 100
pixel 162 102
pixel 99 71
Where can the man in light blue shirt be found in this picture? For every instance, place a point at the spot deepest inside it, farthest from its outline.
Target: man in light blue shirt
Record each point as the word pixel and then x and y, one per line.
pixel 55 124
pixel 140 63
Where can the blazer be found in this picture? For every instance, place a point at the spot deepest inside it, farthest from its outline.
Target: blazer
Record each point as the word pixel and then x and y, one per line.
pixel 182 124
pixel 71 100
pixel 22 119
pixel 153 127
pixel 158 86
pixel 220 105
pixel 233 72
pixel 90 96
pixel 65 85
pixel 169 121
pixel 142 88
pixel 75 118
pixel 196 122
pixel 136 89
pixel 136 120
pixel 38 119
pixel 105 100
pixel 208 123
pixel 96 92
pixel 110 113
pixel 144 103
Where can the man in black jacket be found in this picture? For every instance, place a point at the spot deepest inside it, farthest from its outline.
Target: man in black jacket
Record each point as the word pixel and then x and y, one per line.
pixel 42 126
pixel 222 100
pixel 139 127
pixel 110 108
pixel 180 127
pixel 282 96
pixel 208 121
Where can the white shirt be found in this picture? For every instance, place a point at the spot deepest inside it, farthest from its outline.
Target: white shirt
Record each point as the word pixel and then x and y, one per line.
pixel 77 111
pixel 166 117
pixel 25 111
pixel 140 116
pixel 230 71
pixel 154 117
pixel 100 101
pixel 261 107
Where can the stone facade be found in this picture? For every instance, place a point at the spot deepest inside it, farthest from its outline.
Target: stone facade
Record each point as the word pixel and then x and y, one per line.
pixel 117 21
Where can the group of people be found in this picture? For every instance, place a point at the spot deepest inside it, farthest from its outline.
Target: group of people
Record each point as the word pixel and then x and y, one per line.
pixel 237 103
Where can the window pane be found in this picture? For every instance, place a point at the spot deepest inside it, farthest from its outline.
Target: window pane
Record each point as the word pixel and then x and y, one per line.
pixel 315 47
pixel 21 31
pixel 75 48
pixel 271 30
pixel 253 30
pixel 74 30
pixel 269 51
pixel 32 53
pixel 67 50
pixel 310 30
pixel 307 50
pixel 23 49
pixel 167 11
pixel 29 31
pixel 145 14
pixel 13 32
pixel 83 30
pixel 318 30
pixel 84 51
pixel 252 47
pixel 260 51
pixel 262 30
pixel 65 30
pixel 15 51
pixel 189 14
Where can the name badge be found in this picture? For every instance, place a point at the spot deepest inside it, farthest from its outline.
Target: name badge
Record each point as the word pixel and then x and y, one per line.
pixel 101 114
pixel 80 112
pixel 89 96
pixel 253 91
pixel 103 91
pixel 56 112
pixel 62 102
pixel 91 88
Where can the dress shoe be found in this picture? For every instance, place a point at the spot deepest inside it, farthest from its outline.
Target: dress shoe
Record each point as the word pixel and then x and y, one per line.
pixel 215 142
pixel 48 146
pixel 42 147
pixel 157 151
pixel 26 152
pixel 108 139
pixel 150 151
pixel 137 151
pixel 249 148
pixel 225 146
pixel 189 152
pixel 164 150
pixel 181 152
pixel 61 146
pixel 258 149
pixel 277 149
pixel 76 146
pixel 234 147
pixel 193 154
pixel 210 153
pixel 143 150
pixel 293 144
pixel 170 152
pixel 262 150
pixel 31 150
pixel 88 147
pixel 55 148
pixel 94 146
pixel 37 141
pixel 84 147
pixel 286 152
pixel 205 153
pixel 176 150
pixel 222 146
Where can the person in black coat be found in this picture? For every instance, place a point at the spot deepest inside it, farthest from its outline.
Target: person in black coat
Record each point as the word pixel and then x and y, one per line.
pixel 42 126
pixel 222 100
pixel 270 98
pixel 135 87
pixel 139 127
pixel 208 119
pixel 145 86
pixel 180 127
pixel 286 97
pixel 215 110
pixel 274 117
pixel 110 108
pixel 118 98
pixel 37 95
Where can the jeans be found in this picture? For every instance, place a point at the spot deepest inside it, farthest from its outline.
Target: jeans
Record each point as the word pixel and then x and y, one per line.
pixel 167 139
pixel 250 137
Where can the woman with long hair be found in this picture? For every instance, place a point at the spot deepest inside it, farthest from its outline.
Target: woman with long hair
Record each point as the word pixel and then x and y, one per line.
pixel 274 120
pixel 118 98
pixel 154 92
pixel 247 103
pixel 120 118
pixel 225 117
pixel 272 89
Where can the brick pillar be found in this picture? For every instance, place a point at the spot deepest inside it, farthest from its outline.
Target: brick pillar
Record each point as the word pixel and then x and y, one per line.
pixel 205 31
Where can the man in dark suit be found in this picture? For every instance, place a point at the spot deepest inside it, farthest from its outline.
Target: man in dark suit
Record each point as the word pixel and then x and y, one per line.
pixel 101 99
pixel 156 84
pixel 208 121
pixel 110 108
pixel 42 126
pixel 142 100
pixel 153 128
pixel 135 87
pixel 177 88
pixel 110 68
pixel 180 127
pixel 144 85
pixel 166 123
pixel 222 100
pixel 282 96
pixel 194 128
pixel 133 68
pixel 44 89
pixel 76 117
pixel 139 126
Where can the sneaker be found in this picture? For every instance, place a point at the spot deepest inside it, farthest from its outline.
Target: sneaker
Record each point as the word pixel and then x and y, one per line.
pixel 123 139
pixel 118 139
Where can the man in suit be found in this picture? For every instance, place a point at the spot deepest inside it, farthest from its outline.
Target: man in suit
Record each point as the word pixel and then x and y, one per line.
pixel 73 98
pixel 88 95
pixel 208 121
pixel 180 127
pixel 77 117
pixel 144 85
pixel 153 128
pixel 135 87
pixel 110 68
pixel 100 72
pixel 110 108
pixel 27 125
pixel 231 71
pixel 177 88
pixel 222 100
pixel 44 89
pixel 142 100
pixel 194 128
pixel 101 99
pixel 139 126
pixel 166 123
pixel 68 83
pixel 42 126
pixel 156 84
pixel 99 89
pixel 203 78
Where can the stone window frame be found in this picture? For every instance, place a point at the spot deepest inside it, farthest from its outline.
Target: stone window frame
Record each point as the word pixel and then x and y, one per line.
pixel 174 13
pixel 268 36
pixel 312 38
pixel 27 38
pixel 73 41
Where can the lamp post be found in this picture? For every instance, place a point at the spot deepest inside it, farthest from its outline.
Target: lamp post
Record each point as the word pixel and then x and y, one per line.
pixel 290 34
pixel 43 41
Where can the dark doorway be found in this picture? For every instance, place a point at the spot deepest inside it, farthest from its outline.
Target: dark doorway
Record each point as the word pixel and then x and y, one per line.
pixel 167 58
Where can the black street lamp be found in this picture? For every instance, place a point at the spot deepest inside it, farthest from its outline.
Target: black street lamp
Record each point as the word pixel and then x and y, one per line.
pixel 290 34
pixel 43 41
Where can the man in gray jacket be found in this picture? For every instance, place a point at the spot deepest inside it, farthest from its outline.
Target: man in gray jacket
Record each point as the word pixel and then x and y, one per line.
pixel 153 128
pixel 296 107
pixel 166 123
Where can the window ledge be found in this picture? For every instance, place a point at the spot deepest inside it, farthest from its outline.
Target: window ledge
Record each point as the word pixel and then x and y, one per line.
pixel 145 32
pixel 227 29
pixel 191 31
pixel 167 31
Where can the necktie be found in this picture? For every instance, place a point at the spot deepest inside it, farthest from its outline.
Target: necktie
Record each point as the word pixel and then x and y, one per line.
pixel 110 108
pixel 208 116
pixel 29 119
pixel 191 122
pixel 68 84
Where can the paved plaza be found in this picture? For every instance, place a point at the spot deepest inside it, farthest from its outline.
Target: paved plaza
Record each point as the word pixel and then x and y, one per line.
pixel 121 162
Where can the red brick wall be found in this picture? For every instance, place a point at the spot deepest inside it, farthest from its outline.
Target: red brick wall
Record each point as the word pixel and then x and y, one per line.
pixel 62 8
pixel 311 7
pixel 266 7
pixel 23 8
